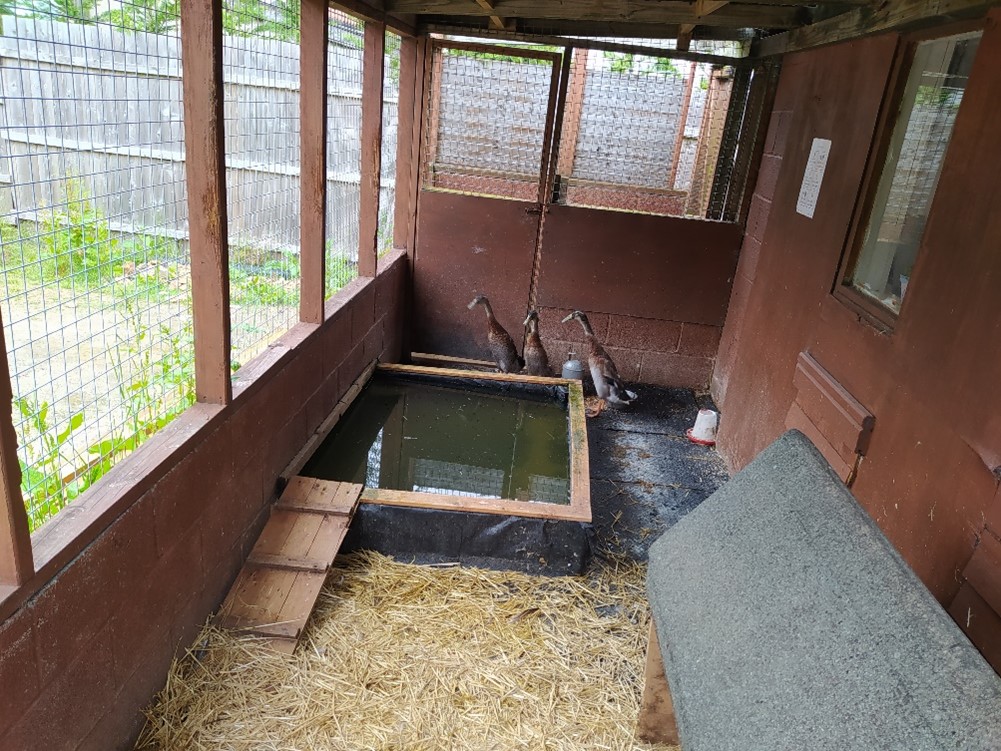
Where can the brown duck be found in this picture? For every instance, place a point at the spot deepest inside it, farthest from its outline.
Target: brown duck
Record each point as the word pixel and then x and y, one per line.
pixel 607 383
pixel 536 359
pixel 502 348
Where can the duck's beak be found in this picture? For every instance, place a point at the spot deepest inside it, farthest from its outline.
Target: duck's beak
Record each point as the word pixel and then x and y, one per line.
pixel 472 304
pixel 568 317
pixel 527 319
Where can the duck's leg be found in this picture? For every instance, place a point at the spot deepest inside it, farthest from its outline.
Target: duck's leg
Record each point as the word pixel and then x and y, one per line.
pixel 596 409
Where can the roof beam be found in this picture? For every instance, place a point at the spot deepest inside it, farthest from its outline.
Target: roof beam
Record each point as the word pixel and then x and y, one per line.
pixel 866 21
pixel 496 22
pixel 618 11
pixel 705 7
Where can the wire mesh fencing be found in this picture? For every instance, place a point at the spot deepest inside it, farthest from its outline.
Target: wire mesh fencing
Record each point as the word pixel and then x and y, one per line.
pixel 390 123
pixel 261 95
pixel 486 120
pixel 346 37
pixel 641 133
pixel 95 298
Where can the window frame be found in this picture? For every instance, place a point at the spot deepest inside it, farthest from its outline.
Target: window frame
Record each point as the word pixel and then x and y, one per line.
pixel 874 313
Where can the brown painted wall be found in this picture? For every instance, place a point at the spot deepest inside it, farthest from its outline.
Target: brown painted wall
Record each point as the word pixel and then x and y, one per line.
pixel 655 288
pixel 83 656
pixel 932 383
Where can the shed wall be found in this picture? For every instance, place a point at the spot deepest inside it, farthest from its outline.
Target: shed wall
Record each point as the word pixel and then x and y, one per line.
pixel 931 470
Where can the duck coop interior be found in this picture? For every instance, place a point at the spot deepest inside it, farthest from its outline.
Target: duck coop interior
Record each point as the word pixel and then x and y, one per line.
pixel 322 319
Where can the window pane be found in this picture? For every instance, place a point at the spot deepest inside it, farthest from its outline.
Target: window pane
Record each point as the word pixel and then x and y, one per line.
pixel 928 110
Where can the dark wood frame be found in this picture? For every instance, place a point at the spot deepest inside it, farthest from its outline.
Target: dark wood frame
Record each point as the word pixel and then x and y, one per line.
pixel 877 315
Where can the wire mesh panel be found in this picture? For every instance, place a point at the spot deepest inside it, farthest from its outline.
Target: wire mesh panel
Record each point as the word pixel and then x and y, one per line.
pixel 96 296
pixel 261 93
pixel 346 37
pixel 641 132
pixel 486 122
pixel 390 128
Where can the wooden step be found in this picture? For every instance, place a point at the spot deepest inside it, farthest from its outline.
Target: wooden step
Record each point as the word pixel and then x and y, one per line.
pixel 277 588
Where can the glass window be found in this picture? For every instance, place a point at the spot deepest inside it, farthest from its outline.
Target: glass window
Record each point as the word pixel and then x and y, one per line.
pixel 931 98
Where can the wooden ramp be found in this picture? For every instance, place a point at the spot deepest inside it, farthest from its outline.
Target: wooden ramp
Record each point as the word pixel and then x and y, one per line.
pixel 275 592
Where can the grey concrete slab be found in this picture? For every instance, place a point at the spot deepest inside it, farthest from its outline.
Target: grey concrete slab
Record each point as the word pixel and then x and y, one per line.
pixel 788 622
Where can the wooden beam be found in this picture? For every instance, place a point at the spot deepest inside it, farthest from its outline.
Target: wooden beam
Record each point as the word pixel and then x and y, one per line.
pixel 866 21
pixel 370 11
pixel 624 11
pixel 594 44
pixel 16 562
pixel 496 22
pixel 685 31
pixel 705 7
pixel 205 156
pixel 371 147
pixel 313 21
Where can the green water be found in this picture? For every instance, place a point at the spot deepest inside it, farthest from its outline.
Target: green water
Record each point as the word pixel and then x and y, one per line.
pixel 411 435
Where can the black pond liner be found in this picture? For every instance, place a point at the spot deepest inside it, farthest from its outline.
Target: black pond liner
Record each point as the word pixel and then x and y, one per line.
pixel 550 547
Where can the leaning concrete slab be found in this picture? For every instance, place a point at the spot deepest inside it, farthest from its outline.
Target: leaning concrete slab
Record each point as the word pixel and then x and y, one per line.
pixel 788 621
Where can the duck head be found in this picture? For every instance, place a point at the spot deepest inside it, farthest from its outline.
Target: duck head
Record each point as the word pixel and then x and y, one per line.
pixel 477 301
pixel 533 317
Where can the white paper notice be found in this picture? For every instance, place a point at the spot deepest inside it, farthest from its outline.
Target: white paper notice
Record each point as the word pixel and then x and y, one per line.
pixel 813 177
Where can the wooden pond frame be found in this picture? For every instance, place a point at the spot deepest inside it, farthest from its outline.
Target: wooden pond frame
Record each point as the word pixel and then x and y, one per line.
pixel 579 508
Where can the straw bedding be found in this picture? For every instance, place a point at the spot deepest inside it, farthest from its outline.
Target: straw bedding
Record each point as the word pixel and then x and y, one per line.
pixel 412 658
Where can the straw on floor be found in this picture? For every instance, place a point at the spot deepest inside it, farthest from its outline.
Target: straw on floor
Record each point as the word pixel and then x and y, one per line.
pixel 421 658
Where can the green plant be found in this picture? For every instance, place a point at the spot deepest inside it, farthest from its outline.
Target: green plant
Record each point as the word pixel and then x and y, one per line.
pixel 78 240
pixel 152 16
pixel 627 62
pixel 255 18
pixel 46 491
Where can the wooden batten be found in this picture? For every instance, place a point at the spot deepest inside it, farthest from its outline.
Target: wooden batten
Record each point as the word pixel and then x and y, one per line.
pixel 205 156
pixel 371 147
pixel 16 562
pixel 406 186
pixel 314 20
pixel 657 722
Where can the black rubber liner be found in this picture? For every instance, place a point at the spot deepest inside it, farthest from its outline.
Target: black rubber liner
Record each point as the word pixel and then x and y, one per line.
pixel 535 546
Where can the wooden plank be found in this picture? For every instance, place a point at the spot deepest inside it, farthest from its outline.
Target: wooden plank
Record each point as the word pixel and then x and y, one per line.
pixel 313 158
pixel 445 361
pixel 679 141
pixel 502 506
pixel 496 22
pixel 838 415
pixel 16 561
pixel 569 56
pixel 204 148
pixel 750 180
pixel 474 374
pixel 657 722
pixel 580 461
pixel 868 20
pixel 983 572
pixel 979 621
pixel 797 419
pixel 275 560
pixel 326 497
pixel 416 149
pixel 545 191
pixel 371 147
pixel 574 106
pixel 625 11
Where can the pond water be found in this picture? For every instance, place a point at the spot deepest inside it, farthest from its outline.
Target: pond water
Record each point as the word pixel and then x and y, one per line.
pixel 415 435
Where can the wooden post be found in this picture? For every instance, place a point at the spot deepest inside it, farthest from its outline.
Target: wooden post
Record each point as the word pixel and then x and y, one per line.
pixel 16 564
pixel 657 722
pixel 313 21
pixel 574 109
pixel 205 155
pixel 371 146
pixel 417 142
pixel 405 135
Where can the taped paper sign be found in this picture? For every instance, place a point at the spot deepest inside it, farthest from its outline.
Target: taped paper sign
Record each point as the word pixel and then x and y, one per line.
pixel 813 176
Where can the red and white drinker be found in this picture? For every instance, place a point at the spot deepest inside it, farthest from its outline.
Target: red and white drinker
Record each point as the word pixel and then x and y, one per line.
pixel 704 432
